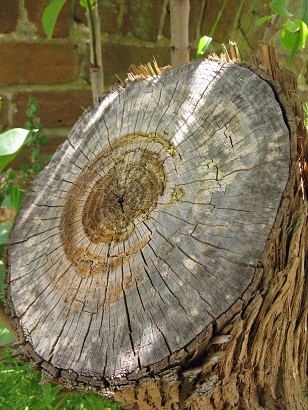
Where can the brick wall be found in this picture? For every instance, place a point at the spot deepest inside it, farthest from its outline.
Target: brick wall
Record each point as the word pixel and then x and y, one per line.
pixel 56 71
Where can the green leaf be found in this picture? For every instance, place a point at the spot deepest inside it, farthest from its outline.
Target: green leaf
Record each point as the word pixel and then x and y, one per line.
pixel 264 19
pixel 290 38
pixel 50 16
pixel 10 143
pixel 4 232
pixel 14 199
pixel 203 44
pixel 293 41
pixel 11 174
pixel 5 336
pixel 280 7
pixel 44 139
pixel 291 26
pixel 24 168
pixel 87 3
pixel 49 392
pixel 37 167
pixel 32 107
pixel 94 401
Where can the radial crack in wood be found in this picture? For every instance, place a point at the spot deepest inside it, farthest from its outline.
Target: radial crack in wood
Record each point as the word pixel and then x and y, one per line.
pixel 148 224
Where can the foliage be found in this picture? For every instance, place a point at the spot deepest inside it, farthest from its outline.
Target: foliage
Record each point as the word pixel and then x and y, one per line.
pixel 20 390
pixel 294 32
pixel 203 44
pixel 305 106
pixel 19 385
pixel 11 143
pixel 50 16
pixel 51 12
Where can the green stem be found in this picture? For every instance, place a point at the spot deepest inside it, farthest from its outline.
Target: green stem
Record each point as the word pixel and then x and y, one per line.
pixel 92 29
pixel 253 18
pixel 218 18
pixel 305 11
pixel 235 17
pixel 61 401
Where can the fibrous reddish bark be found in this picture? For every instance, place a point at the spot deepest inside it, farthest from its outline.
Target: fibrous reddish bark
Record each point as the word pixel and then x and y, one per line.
pixel 162 255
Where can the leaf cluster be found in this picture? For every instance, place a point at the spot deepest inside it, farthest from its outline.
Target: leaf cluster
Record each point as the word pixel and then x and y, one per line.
pixel 51 12
pixel 20 390
pixel 294 33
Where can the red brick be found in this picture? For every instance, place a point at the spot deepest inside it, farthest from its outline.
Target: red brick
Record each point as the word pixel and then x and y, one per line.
pixel 109 13
pixel 247 18
pixel 35 12
pixel 118 58
pixel 8 15
pixel 166 28
pixel 37 63
pixel 80 14
pixel 142 19
pixel 211 13
pixel 4 113
pixel 194 16
pixel 56 108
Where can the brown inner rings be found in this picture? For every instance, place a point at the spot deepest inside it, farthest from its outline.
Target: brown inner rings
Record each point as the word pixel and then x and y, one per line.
pixel 126 194
pixel 112 194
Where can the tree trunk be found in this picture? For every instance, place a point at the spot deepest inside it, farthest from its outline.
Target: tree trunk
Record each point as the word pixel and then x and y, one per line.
pixel 161 257
pixel 179 30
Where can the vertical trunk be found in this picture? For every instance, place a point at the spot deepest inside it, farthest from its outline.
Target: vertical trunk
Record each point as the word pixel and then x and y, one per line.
pixel 96 62
pixel 179 17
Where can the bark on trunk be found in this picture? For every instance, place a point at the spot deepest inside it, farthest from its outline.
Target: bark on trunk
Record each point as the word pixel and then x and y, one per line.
pixel 179 28
pixel 162 255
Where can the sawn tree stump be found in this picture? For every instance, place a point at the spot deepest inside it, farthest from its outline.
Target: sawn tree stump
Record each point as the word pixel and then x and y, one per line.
pixel 158 225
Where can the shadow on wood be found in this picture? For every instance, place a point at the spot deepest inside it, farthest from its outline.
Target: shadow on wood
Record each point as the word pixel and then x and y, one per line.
pixel 161 255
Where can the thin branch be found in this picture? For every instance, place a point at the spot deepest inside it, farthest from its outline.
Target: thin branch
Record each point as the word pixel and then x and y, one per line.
pixel 271 29
pixel 96 62
pixel 179 23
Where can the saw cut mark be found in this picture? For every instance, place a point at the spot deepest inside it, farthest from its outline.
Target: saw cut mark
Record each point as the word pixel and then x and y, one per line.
pixel 149 222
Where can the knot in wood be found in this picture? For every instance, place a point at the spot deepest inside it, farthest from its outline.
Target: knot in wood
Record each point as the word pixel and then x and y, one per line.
pixel 129 190
pixel 113 194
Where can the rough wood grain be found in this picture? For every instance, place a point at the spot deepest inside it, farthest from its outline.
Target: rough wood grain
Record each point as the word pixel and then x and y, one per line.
pixel 146 229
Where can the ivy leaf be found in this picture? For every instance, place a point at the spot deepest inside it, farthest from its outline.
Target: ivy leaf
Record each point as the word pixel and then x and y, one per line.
pixel 10 143
pixel 14 199
pixel 294 40
pixel 264 19
pixel 203 44
pixel 5 336
pixel 50 16
pixel 280 7
pixel 4 232
pixel 291 26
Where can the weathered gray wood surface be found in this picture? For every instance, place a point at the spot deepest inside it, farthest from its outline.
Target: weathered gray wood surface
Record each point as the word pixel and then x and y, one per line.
pixel 149 222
